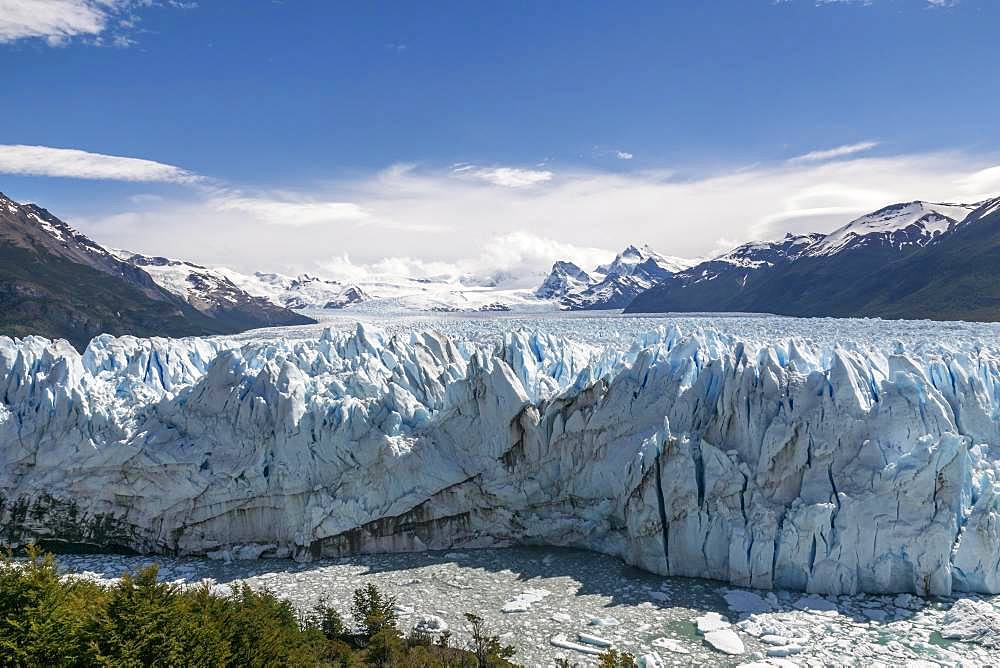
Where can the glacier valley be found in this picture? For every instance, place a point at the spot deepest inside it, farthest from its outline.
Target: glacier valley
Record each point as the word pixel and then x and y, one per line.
pixel 836 457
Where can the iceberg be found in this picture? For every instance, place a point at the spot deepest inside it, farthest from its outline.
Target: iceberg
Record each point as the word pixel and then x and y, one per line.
pixel 760 461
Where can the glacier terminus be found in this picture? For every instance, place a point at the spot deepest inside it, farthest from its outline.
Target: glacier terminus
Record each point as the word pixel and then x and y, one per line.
pixel 761 452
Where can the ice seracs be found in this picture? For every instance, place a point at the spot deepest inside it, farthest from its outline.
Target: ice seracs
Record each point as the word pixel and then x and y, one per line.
pixel 758 460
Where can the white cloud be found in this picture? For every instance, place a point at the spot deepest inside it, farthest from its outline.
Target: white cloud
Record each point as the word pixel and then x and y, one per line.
pixel 73 163
pixel 981 185
pixel 507 177
pixel 58 21
pixel 447 222
pixel 52 19
pixel 519 259
pixel 287 209
pixel 623 155
pixel 838 152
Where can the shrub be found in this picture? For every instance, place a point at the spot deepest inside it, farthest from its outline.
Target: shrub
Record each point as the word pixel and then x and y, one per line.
pixel 612 658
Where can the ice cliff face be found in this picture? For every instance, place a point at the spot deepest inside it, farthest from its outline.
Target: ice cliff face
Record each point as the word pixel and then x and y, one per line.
pixel 767 464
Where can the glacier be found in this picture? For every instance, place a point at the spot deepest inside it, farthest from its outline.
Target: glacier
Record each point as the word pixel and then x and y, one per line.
pixel 699 448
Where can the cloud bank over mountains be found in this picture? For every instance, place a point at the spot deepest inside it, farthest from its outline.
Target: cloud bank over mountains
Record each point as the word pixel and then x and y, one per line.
pixel 483 220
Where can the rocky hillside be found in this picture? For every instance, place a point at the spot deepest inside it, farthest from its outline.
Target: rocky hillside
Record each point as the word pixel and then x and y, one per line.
pixel 57 283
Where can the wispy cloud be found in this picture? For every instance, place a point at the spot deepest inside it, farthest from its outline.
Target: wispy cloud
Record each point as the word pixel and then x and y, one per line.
pixel 833 153
pixel 73 163
pixel 623 155
pixel 104 22
pixel 507 177
pixel 287 208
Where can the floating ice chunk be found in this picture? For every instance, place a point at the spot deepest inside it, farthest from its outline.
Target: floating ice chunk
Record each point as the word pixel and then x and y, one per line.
pixel 784 650
pixel 561 617
pixel 726 641
pixel 591 639
pixel 431 624
pixel 523 601
pixel 814 603
pixel 651 660
pixel 669 644
pixel 972 621
pixel 603 621
pixel 711 621
pixel 747 602
pixel 875 614
pixel 560 640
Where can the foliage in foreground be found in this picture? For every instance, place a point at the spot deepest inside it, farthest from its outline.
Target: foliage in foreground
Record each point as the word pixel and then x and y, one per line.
pixel 141 621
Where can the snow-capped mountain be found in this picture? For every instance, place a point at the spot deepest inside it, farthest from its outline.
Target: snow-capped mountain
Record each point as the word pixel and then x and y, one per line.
pixel 871 266
pixel 709 285
pixel 210 291
pixel 300 292
pixel 895 226
pixel 56 282
pixel 757 254
pixel 565 278
pixel 633 259
pixel 611 285
pixel 986 209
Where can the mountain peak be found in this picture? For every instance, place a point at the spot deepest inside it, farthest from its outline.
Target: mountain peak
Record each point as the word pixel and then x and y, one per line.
pixel 914 223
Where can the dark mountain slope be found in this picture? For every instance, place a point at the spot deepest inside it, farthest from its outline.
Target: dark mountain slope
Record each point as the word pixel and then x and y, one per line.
pixel 957 278
pixel 925 265
pixel 57 283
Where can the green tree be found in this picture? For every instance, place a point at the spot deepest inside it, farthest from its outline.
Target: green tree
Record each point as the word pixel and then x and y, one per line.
pixel 263 629
pixel 386 647
pixel 42 619
pixel 373 611
pixel 488 649
pixel 47 620
pixel 325 618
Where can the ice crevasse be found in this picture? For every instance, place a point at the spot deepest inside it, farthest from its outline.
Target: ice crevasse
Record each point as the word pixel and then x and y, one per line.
pixel 830 469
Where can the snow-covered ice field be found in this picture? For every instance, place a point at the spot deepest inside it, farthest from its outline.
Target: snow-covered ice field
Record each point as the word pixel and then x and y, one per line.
pixel 554 595
pixel 612 328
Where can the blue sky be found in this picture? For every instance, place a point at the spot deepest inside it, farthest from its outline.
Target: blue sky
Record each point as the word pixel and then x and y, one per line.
pixel 418 130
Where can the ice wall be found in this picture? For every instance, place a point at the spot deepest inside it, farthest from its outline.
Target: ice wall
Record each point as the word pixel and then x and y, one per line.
pixel 765 462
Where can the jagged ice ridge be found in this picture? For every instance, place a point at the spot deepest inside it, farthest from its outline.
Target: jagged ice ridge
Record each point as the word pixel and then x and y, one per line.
pixel 764 462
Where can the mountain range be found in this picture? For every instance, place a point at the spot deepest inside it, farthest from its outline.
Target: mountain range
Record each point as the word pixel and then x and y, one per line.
pixel 58 283
pixel 613 285
pixel 909 260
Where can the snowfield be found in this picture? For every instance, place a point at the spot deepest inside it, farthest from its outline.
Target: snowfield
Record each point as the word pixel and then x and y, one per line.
pixel 829 456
